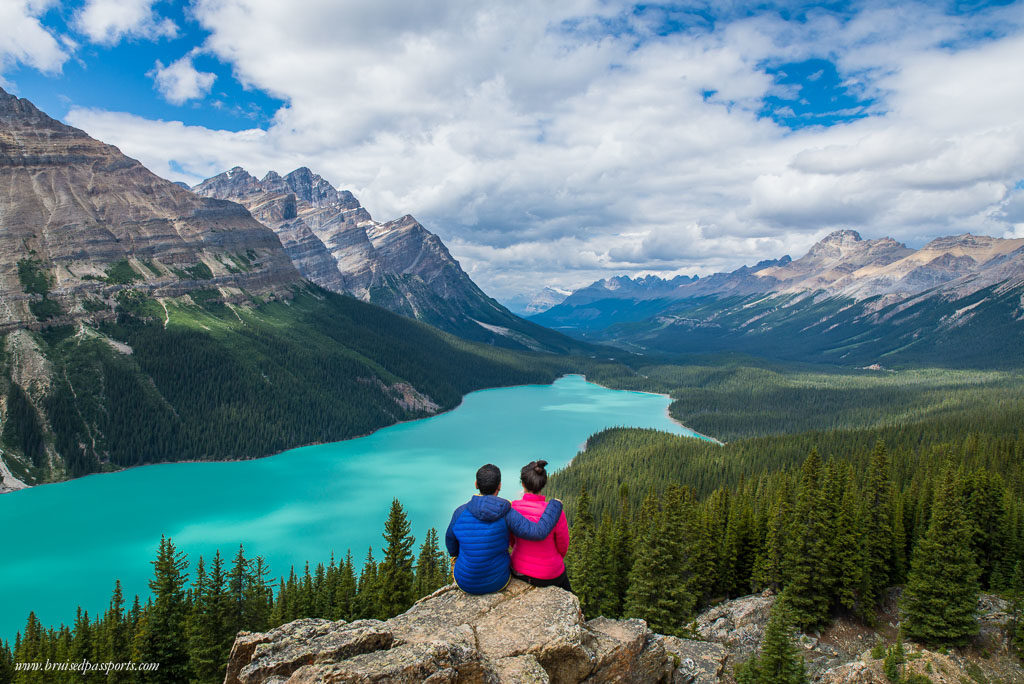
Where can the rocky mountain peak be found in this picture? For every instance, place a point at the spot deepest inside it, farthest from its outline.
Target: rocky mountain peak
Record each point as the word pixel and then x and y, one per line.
pixel 98 210
pixel 835 244
pixel 236 182
pixel 399 264
pixel 15 110
pixel 313 188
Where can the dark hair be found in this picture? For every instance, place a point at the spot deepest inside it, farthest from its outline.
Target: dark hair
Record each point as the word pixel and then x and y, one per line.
pixel 533 476
pixel 488 479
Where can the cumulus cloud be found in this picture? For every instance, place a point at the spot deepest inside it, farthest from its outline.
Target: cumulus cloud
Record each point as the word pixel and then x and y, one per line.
pixel 560 142
pixel 109 21
pixel 180 81
pixel 23 38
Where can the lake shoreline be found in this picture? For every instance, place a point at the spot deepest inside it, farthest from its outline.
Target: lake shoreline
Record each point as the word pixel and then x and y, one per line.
pixel 27 486
pixel 697 435
pixel 668 413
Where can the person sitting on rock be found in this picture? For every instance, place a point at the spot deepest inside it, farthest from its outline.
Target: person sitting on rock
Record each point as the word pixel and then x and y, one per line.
pixel 540 563
pixel 478 535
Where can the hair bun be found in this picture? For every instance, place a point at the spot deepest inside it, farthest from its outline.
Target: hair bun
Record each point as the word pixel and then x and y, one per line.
pixel 539 466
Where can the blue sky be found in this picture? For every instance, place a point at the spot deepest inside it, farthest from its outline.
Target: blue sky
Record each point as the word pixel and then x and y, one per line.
pixel 594 138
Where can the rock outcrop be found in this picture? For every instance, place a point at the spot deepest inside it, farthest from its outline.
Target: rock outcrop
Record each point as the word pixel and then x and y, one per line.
pixel 738 624
pixel 521 634
pixel 525 634
pixel 399 265
pixel 71 207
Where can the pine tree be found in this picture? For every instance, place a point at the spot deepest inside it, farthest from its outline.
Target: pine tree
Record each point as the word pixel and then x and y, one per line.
pixel 622 551
pixel 739 554
pixel 431 566
pixel 876 531
pixel 661 581
pixel 6 663
pixel 605 596
pixel 201 646
pixel 769 569
pixel 258 597
pixel 842 569
pixel 367 593
pixel 806 585
pixel 582 551
pixel 779 661
pixel 942 588
pixel 345 591
pixel 160 636
pixel 116 637
pixel 899 543
pixel 237 589
pixel 82 638
pixel 30 647
pixel 209 629
pixel 395 572
pixel 986 515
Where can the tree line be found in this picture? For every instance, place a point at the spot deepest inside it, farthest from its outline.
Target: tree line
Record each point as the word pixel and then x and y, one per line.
pixel 830 536
pixel 190 620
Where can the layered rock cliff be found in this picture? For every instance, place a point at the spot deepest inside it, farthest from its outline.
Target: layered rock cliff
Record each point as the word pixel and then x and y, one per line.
pixel 399 264
pixel 73 208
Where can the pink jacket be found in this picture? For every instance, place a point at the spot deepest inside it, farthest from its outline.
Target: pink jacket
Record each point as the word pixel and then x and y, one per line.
pixel 539 559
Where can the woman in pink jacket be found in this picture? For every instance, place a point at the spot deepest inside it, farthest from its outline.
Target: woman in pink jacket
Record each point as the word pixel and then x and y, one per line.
pixel 541 563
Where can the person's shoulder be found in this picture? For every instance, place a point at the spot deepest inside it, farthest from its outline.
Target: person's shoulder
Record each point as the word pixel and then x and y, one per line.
pixel 459 511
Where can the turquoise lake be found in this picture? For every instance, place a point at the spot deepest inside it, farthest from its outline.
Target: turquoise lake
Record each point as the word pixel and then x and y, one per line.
pixel 64 544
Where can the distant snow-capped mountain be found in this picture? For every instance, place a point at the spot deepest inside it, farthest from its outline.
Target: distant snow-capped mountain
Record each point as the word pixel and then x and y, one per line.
pixel 847 299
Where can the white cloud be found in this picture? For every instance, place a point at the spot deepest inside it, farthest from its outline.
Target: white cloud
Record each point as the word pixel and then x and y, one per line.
pixel 180 82
pixel 109 21
pixel 544 148
pixel 24 39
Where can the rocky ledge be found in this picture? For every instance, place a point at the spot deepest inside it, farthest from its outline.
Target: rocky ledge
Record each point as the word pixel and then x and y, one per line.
pixel 525 634
pixel 522 634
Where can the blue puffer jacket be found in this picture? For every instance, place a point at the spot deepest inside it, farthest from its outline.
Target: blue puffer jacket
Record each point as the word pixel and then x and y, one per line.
pixel 478 537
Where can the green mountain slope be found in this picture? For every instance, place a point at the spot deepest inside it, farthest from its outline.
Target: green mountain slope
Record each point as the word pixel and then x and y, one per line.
pixel 195 378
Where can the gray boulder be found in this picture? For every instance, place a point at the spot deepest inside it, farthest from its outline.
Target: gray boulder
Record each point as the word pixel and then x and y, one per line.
pixel 521 634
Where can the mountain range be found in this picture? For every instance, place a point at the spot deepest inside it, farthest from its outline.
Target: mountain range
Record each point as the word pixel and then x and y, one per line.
pixel 400 265
pixel 537 302
pixel 957 299
pixel 141 322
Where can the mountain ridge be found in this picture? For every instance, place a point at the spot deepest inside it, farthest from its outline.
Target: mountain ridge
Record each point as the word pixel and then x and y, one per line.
pixel 397 264
pixel 73 208
pixel 847 300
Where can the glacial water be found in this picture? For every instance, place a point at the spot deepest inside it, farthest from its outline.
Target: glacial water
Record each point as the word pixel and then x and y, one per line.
pixel 62 545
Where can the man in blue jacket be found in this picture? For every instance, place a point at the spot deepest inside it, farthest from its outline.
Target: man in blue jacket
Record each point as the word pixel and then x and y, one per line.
pixel 478 534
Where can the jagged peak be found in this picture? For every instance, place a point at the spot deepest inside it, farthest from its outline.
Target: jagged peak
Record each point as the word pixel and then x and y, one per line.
pixel 845 235
pixel 16 109
pixel 303 172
